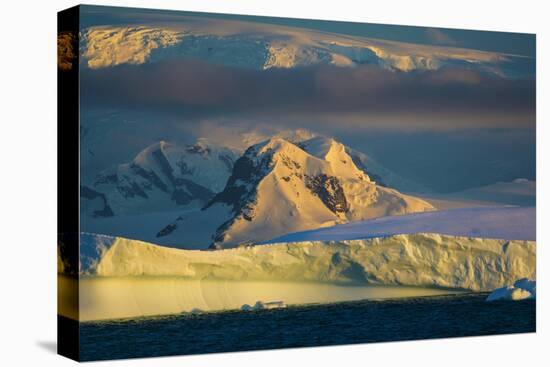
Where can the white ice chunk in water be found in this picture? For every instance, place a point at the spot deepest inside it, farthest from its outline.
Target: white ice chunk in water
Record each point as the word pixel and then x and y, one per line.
pixel 522 289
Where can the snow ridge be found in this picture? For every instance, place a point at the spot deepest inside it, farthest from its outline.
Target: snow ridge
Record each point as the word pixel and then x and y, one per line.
pixel 110 46
pixel 263 47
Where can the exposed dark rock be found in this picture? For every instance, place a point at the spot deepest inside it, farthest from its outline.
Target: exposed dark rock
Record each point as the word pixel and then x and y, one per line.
pixel 167 230
pixel 240 192
pixel 241 186
pixel 197 191
pixel 329 190
pixel 149 176
pixel 88 193
pixel 288 162
pixel 181 197
pixel 198 149
pixel 184 169
pixel 132 190
pixel 228 161
pixel 106 179
pixel 184 190
pixel 165 167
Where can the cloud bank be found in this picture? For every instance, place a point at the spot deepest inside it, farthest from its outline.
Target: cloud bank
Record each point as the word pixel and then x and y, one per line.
pixel 359 96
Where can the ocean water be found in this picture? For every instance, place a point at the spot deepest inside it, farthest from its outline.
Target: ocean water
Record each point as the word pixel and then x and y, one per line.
pixel 315 325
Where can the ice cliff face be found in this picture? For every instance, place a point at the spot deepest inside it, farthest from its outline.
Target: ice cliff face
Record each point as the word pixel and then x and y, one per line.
pixel 427 260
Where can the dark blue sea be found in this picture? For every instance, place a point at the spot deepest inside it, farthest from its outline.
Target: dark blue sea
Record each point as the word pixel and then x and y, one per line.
pixel 315 325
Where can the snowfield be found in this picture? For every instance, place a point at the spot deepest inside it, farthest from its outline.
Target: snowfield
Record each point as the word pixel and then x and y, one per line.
pixel 517 192
pixel 513 223
pixel 223 42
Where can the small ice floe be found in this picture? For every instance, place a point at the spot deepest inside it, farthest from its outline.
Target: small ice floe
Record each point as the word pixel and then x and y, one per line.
pixel 263 306
pixel 522 289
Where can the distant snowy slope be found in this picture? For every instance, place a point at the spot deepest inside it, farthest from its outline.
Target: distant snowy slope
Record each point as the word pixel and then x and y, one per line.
pixel 510 223
pixel 163 176
pixel 120 45
pixel 264 46
pixel 517 192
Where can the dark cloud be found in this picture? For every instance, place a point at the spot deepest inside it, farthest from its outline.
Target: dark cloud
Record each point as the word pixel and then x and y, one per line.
pixel 205 90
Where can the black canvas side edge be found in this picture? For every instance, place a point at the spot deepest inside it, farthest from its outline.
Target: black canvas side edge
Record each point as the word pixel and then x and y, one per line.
pixel 68 180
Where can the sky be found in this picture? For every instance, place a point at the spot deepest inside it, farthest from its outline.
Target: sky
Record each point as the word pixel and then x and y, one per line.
pixel 448 108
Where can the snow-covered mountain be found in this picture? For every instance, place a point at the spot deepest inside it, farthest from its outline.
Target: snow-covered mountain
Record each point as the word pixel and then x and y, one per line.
pixel 376 171
pixel 263 46
pixel 318 145
pixel 161 177
pixel 278 187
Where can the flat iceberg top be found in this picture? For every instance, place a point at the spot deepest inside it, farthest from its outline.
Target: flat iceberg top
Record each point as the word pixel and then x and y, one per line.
pixel 508 223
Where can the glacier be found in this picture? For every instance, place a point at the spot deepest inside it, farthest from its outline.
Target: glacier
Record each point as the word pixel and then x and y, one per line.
pixel 222 42
pixel 121 277
pixel 422 259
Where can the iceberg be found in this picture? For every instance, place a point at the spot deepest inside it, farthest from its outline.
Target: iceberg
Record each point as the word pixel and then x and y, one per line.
pixel 422 259
pixel 522 289
pixel 120 277
pixel 259 305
